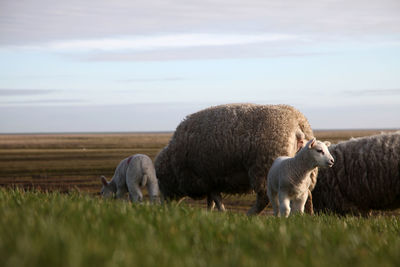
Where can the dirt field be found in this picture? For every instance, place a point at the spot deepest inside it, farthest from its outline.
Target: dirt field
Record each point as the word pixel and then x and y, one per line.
pixel 65 162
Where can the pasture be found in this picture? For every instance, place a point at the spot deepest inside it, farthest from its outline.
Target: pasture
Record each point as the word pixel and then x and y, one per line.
pixel 51 215
pixel 53 229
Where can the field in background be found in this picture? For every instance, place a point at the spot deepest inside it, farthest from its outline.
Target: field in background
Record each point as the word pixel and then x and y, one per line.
pixel 65 162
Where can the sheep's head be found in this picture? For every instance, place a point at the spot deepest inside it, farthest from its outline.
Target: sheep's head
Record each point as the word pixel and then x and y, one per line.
pixel 108 190
pixel 320 153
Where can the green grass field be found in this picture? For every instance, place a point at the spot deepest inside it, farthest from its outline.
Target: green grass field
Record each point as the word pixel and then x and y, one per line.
pixel 53 229
pixel 63 223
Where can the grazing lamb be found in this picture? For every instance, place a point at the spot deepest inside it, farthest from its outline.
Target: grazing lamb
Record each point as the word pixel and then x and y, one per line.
pixel 366 176
pixel 130 175
pixel 229 149
pixel 289 177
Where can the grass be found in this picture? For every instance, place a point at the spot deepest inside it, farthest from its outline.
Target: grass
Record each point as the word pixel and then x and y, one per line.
pixel 52 229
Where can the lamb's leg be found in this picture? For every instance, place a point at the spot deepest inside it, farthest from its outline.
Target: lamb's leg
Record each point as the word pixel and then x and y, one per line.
pixel 152 189
pixel 135 194
pixel 120 193
pixel 133 180
pixel 273 197
pixel 308 208
pixel 284 204
pixel 298 204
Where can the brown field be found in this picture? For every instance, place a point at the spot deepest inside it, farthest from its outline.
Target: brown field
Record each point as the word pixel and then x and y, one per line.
pixel 65 162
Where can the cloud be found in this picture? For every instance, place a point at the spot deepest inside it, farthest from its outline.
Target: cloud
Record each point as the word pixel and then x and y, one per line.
pixel 43 101
pixel 374 92
pixel 201 53
pixel 42 21
pixel 141 80
pixel 22 92
pixel 160 42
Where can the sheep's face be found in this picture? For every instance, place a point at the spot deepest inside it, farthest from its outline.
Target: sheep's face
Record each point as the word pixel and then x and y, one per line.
pixel 320 153
pixel 106 190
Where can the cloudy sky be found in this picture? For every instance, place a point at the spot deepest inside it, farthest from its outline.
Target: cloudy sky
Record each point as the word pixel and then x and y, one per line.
pixel 79 66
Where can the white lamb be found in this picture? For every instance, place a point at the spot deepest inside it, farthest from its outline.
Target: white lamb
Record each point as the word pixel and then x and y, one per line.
pixel 130 175
pixel 289 177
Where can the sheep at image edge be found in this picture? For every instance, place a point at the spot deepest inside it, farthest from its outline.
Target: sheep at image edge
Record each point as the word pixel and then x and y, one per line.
pixel 229 149
pixel 365 177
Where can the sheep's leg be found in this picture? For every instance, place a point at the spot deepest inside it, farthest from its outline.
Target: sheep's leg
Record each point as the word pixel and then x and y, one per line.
pixel 218 201
pixel 284 204
pixel 215 199
pixel 258 182
pixel 210 202
pixel 261 203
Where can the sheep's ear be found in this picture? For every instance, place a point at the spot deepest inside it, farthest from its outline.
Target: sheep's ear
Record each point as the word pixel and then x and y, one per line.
pixel 300 144
pixel 104 180
pixel 327 143
pixel 311 143
pixel 299 134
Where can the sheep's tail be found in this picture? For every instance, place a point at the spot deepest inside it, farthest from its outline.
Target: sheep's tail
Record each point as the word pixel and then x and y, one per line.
pixel 146 172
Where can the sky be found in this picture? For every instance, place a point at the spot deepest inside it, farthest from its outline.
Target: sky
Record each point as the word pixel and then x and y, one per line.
pixel 123 66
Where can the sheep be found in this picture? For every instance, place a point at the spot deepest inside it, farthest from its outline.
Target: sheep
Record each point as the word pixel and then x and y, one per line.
pixel 366 176
pixel 130 175
pixel 289 177
pixel 229 149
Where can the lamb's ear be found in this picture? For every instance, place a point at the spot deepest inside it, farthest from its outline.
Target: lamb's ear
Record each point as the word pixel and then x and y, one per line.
pixel 311 143
pixel 327 143
pixel 104 180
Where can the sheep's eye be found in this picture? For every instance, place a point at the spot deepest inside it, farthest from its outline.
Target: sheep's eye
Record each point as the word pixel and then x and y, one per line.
pixel 320 151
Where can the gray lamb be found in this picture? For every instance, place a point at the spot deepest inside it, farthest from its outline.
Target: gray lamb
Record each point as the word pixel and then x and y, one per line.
pixel 130 175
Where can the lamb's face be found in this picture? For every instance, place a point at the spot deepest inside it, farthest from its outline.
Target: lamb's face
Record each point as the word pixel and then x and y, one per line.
pixel 321 154
pixel 106 190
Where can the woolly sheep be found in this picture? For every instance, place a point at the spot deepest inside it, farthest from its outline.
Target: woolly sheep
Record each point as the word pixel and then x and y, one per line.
pixel 229 149
pixel 366 176
pixel 130 175
pixel 289 177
